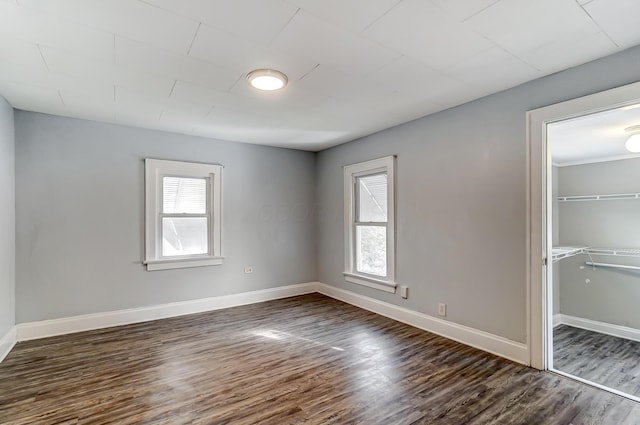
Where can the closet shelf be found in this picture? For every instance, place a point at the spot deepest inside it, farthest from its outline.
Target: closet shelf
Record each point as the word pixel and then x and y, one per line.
pixel 619 196
pixel 616 252
pixel 613 252
pixel 560 252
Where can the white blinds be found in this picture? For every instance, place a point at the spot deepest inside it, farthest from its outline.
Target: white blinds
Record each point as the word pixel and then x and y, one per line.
pixel 182 195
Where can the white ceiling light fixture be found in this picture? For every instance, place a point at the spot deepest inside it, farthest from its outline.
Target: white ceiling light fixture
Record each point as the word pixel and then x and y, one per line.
pixel 267 79
pixel 633 142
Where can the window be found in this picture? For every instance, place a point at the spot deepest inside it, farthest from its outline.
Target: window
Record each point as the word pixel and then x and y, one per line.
pixel 369 221
pixel 183 214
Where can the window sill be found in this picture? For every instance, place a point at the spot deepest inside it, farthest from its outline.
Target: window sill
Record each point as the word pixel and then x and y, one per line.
pixel 183 263
pixel 381 285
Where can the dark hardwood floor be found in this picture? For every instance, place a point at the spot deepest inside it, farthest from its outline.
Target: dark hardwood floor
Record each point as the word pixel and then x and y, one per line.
pixel 605 359
pixel 302 360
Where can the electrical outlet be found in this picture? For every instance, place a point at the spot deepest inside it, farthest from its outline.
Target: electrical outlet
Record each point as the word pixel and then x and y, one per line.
pixel 248 270
pixel 442 309
pixel 404 291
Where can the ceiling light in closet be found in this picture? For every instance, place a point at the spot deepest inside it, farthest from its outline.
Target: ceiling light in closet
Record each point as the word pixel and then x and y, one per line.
pixel 267 79
pixel 633 142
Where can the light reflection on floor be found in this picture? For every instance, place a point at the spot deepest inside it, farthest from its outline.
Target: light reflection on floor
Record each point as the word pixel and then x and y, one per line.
pixel 373 373
pixel 279 335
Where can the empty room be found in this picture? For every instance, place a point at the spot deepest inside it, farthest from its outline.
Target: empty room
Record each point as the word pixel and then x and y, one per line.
pixel 319 212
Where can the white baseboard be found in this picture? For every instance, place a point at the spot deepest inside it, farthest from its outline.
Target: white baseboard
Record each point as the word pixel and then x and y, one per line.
pixel 67 325
pixel 485 341
pixel 601 327
pixel 494 344
pixel 557 319
pixel 7 342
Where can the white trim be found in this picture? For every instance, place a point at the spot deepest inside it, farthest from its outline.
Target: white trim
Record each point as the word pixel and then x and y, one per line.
pixel 600 327
pixel 557 320
pixel 530 244
pixel 597 160
pixel 155 170
pixel 485 341
pixel 47 328
pixel 181 264
pixel 7 342
pixel 538 242
pixel 381 285
pixel 351 173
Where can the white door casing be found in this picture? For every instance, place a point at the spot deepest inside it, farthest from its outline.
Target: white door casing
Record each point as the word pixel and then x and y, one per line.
pixel 538 177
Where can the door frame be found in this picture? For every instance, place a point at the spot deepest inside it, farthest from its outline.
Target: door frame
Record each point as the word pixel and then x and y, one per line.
pixel 539 314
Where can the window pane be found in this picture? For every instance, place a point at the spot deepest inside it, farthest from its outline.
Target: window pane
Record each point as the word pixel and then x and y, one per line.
pixel 184 195
pixel 184 236
pixel 372 198
pixel 371 250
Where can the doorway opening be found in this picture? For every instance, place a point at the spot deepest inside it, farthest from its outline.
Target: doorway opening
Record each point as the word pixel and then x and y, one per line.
pixel 593 277
pixel 584 240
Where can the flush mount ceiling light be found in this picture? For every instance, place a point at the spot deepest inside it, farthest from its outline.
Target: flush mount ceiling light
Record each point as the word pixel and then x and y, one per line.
pixel 633 142
pixel 267 79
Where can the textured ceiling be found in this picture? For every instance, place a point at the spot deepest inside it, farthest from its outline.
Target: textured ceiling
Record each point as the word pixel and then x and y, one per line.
pixel 354 66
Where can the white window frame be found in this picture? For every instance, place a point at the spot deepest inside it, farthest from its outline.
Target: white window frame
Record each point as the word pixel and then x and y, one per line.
pixel 351 174
pixel 155 170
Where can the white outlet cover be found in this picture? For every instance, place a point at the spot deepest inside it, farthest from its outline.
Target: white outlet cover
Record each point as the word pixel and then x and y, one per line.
pixel 404 291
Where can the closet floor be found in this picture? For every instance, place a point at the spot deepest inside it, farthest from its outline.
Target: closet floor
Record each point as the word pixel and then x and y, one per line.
pixel 603 359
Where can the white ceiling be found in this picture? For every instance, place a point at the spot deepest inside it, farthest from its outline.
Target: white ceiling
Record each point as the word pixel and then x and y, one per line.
pixel 591 138
pixel 354 66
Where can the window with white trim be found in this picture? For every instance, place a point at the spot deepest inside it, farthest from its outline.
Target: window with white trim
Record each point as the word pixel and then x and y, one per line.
pixel 369 220
pixel 183 214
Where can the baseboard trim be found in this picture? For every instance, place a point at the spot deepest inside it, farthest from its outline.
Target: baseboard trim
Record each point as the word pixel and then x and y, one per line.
pixel 557 320
pixel 601 327
pixel 485 341
pixel 7 342
pixel 67 325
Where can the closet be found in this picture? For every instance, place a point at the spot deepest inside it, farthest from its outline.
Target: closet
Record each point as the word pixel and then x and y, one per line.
pixel 595 263
pixel 596 273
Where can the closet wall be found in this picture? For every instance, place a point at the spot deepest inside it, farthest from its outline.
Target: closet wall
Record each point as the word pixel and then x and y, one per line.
pixel 555 240
pixel 604 294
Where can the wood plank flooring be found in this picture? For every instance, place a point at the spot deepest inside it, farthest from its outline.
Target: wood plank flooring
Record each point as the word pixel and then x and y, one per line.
pixel 605 359
pixel 301 360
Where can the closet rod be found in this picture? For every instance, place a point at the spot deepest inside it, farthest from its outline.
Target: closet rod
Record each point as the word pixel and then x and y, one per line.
pixel 617 266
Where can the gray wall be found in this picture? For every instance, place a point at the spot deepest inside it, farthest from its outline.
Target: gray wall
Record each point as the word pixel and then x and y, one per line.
pixel 461 192
pixel 7 218
pixel 80 203
pixel 461 209
pixel 612 295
